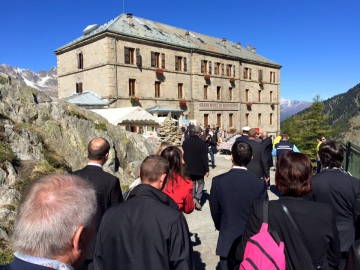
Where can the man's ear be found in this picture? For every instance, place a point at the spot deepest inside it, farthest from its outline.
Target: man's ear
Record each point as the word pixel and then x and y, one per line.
pixel 252 157
pixel 78 239
pixel 106 156
pixel 163 180
pixel 139 173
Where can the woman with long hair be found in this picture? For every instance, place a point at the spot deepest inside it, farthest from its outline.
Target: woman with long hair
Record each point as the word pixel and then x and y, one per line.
pixel 316 221
pixel 177 186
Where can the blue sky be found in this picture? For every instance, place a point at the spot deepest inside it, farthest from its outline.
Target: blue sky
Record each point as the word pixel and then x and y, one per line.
pixel 316 41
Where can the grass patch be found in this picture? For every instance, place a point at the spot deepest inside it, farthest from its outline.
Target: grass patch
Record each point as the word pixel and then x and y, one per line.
pixel 75 114
pixel 6 253
pixel 101 126
pixel 6 153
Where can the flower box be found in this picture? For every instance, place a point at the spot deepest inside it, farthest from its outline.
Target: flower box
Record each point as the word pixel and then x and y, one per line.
pixel 232 79
pixel 207 77
pixel 134 99
pixel 261 83
pixel 159 71
pixel 272 105
pixel 182 102
pixel 249 104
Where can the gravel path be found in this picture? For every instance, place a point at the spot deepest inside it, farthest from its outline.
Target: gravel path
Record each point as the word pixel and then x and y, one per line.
pixel 203 234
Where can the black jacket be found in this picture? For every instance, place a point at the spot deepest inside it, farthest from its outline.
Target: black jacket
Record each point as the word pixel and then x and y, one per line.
pixel 231 197
pixel 258 165
pixel 145 232
pixel 267 148
pixel 315 220
pixel 196 155
pixel 342 192
pixel 108 193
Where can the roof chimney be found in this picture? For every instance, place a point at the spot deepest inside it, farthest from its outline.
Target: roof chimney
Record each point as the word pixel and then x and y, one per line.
pixel 248 46
pixel 224 42
pixel 238 45
pixel 187 35
pixel 253 49
pixel 129 16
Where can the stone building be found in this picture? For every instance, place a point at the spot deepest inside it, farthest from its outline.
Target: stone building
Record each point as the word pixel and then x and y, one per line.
pixel 130 61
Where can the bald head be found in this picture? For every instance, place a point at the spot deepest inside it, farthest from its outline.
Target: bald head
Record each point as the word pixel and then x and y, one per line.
pixel 98 148
pixel 264 135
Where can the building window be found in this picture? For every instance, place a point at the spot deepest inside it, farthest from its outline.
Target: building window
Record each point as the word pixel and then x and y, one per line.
pixel 259 96
pixel 222 69
pixel 260 75
pixel 180 90
pixel 218 93
pixel 131 87
pixel 230 93
pixel 206 120
pixel 163 60
pixel 259 119
pixel 155 59
pixel 218 119
pixel 205 92
pixel 246 95
pixel 217 68
pixel 157 89
pixel 138 57
pixel 234 73
pixel 129 55
pixel 210 68
pixel 246 119
pixel 228 70
pixel 247 73
pixel 271 96
pixel 271 119
pixel 178 63
pixel 185 64
pixel 272 76
pixel 79 88
pixel 204 66
pixel 230 119
pixel 80 60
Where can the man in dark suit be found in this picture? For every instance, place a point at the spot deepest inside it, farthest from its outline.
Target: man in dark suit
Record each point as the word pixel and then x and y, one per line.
pixel 54 224
pixel 342 191
pixel 245 136
pixel 196 158
pixel 147 231
pixel 267 148
pixel 258 165
pixel 107 186
pixel 231 197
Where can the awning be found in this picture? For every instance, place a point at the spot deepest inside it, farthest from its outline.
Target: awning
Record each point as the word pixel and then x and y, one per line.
pixel 129 116
pixel 88 98
pixel 164 109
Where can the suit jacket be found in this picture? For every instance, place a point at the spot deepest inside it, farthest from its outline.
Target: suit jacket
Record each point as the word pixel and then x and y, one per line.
pixel 267 148
pixel 231 197
pixel 145 232
pixel 258 165
pixel 196 155
pixel 342 192
pixel 108 193
pixel 242 138
pixel 18 264
pixel 316 222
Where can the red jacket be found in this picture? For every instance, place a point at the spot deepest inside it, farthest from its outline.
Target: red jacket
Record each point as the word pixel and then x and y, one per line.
pixel 181 194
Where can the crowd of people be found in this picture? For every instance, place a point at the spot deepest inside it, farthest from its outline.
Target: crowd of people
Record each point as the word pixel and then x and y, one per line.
pixel 82 221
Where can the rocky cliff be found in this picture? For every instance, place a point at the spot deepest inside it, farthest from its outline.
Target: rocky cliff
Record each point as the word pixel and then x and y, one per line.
pixel 41 135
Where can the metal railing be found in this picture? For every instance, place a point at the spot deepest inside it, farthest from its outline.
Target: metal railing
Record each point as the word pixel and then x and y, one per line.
pixel 351 161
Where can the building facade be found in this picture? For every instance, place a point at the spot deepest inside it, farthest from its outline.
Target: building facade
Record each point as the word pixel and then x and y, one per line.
pixel 132 61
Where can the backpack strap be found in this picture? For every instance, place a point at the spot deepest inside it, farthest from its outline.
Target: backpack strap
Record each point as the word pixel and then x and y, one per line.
pixel 303 240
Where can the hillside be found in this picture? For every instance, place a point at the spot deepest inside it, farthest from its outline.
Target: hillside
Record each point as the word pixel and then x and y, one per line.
pixel 290 107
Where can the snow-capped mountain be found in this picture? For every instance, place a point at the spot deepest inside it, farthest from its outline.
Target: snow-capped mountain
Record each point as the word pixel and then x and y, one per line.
pixel 43 80
pixel 289 107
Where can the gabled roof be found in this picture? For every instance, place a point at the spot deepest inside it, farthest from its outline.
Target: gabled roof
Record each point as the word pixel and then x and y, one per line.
pixel 135 116
pixel 163 109
pixel 146 29
pixel 86 99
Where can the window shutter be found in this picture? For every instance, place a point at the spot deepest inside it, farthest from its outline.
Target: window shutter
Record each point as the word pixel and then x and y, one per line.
pixel 202 66
pixel 222 69
pixel 80 88
pixel 185 64
pixel 153 59
pixel 249 73
pixel 176 63
pixel 216 69
pixel 244 73
pixel 234 73
pixel 138 57
pixel 210 67
pixel 78 63
pixel 163 60
pixel 127 57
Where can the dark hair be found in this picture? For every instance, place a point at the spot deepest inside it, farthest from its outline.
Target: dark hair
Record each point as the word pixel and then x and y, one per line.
pixel 331 154
pixel 293 176
pixel 152 168
pixel 98 148
pixel 241 153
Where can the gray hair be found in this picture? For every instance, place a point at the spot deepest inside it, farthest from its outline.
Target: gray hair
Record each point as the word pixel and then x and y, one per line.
pixel 50 212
